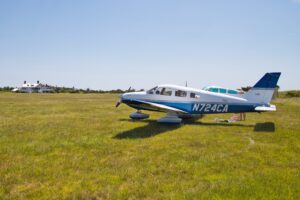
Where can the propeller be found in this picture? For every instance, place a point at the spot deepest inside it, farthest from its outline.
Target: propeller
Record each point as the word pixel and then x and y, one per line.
pixel 120 101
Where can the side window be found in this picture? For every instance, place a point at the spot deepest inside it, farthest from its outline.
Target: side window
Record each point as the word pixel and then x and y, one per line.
pixel 223 91
pixel 180 93
pixel 232 92
pixel 194 96
pixel 214 90
pixel 166 92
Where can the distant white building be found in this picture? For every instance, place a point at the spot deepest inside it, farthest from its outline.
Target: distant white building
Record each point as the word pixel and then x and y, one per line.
pixel 33 88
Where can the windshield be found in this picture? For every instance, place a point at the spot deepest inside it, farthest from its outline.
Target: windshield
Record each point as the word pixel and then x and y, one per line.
pixel 151 91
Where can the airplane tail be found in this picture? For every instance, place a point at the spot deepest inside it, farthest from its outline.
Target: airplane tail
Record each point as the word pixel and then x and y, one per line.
pixel 262 92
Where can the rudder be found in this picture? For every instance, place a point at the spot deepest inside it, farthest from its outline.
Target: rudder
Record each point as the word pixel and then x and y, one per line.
pixel 269 80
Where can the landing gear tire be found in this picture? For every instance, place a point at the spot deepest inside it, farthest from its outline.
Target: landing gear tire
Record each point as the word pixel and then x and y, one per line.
pixel 139 115
pixel 170 118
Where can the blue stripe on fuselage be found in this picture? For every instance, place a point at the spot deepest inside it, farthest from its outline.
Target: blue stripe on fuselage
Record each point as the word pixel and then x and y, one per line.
pixel 199 107
pixel 210 108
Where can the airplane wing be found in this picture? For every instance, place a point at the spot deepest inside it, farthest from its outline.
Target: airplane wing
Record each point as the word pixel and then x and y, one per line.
pixel 162 107
pixel 264 108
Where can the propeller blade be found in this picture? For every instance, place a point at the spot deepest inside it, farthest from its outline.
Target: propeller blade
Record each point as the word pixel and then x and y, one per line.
pixel 118 104
pixel 129 89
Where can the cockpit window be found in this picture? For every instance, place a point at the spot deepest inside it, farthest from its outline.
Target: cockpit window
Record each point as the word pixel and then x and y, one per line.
pixel 166 92
pixel 152 90
pixel 180 93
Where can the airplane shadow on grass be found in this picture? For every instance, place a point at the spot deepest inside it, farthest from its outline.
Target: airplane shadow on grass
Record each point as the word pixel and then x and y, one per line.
pixel 264 127
pixel 151 129
pixel 154 128
pixel 258 127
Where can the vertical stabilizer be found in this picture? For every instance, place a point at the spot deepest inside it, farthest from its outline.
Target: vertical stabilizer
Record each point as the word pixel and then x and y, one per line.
pixel 263 90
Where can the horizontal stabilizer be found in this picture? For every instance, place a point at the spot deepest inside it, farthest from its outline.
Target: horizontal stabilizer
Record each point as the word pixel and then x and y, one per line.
pixel 265 108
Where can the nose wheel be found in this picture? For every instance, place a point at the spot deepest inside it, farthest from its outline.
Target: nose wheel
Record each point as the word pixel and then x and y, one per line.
pixel 138 115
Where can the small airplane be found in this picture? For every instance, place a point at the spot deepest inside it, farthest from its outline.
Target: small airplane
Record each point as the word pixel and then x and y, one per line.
pixel 184 102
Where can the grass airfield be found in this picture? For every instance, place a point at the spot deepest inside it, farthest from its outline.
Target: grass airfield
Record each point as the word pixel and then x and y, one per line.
pixel 78 146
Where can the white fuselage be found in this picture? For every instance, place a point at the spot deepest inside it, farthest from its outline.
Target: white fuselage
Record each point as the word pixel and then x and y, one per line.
pixel 190 100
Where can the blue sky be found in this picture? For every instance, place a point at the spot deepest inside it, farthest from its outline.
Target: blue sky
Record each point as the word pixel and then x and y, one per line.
pixel 121 43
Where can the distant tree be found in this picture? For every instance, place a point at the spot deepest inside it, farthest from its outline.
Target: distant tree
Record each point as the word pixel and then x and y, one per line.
pixel 276 92
pixel 293 94
pixel 6 89
pixel 63 89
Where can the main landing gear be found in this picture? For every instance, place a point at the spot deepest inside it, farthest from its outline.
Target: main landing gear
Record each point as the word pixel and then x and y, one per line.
pixel 170 118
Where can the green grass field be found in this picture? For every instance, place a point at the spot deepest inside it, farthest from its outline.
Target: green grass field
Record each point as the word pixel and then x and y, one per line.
pixel 78 146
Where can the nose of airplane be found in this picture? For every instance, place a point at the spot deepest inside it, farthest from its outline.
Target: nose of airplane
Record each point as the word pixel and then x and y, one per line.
pixel 130 96
pixel 126 96
pixel 123 97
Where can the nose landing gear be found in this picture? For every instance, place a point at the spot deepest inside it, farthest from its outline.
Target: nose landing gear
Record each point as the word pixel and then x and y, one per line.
pixel 138 115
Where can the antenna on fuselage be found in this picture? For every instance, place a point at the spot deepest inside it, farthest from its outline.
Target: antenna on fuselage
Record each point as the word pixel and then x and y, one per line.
pixel 186 84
